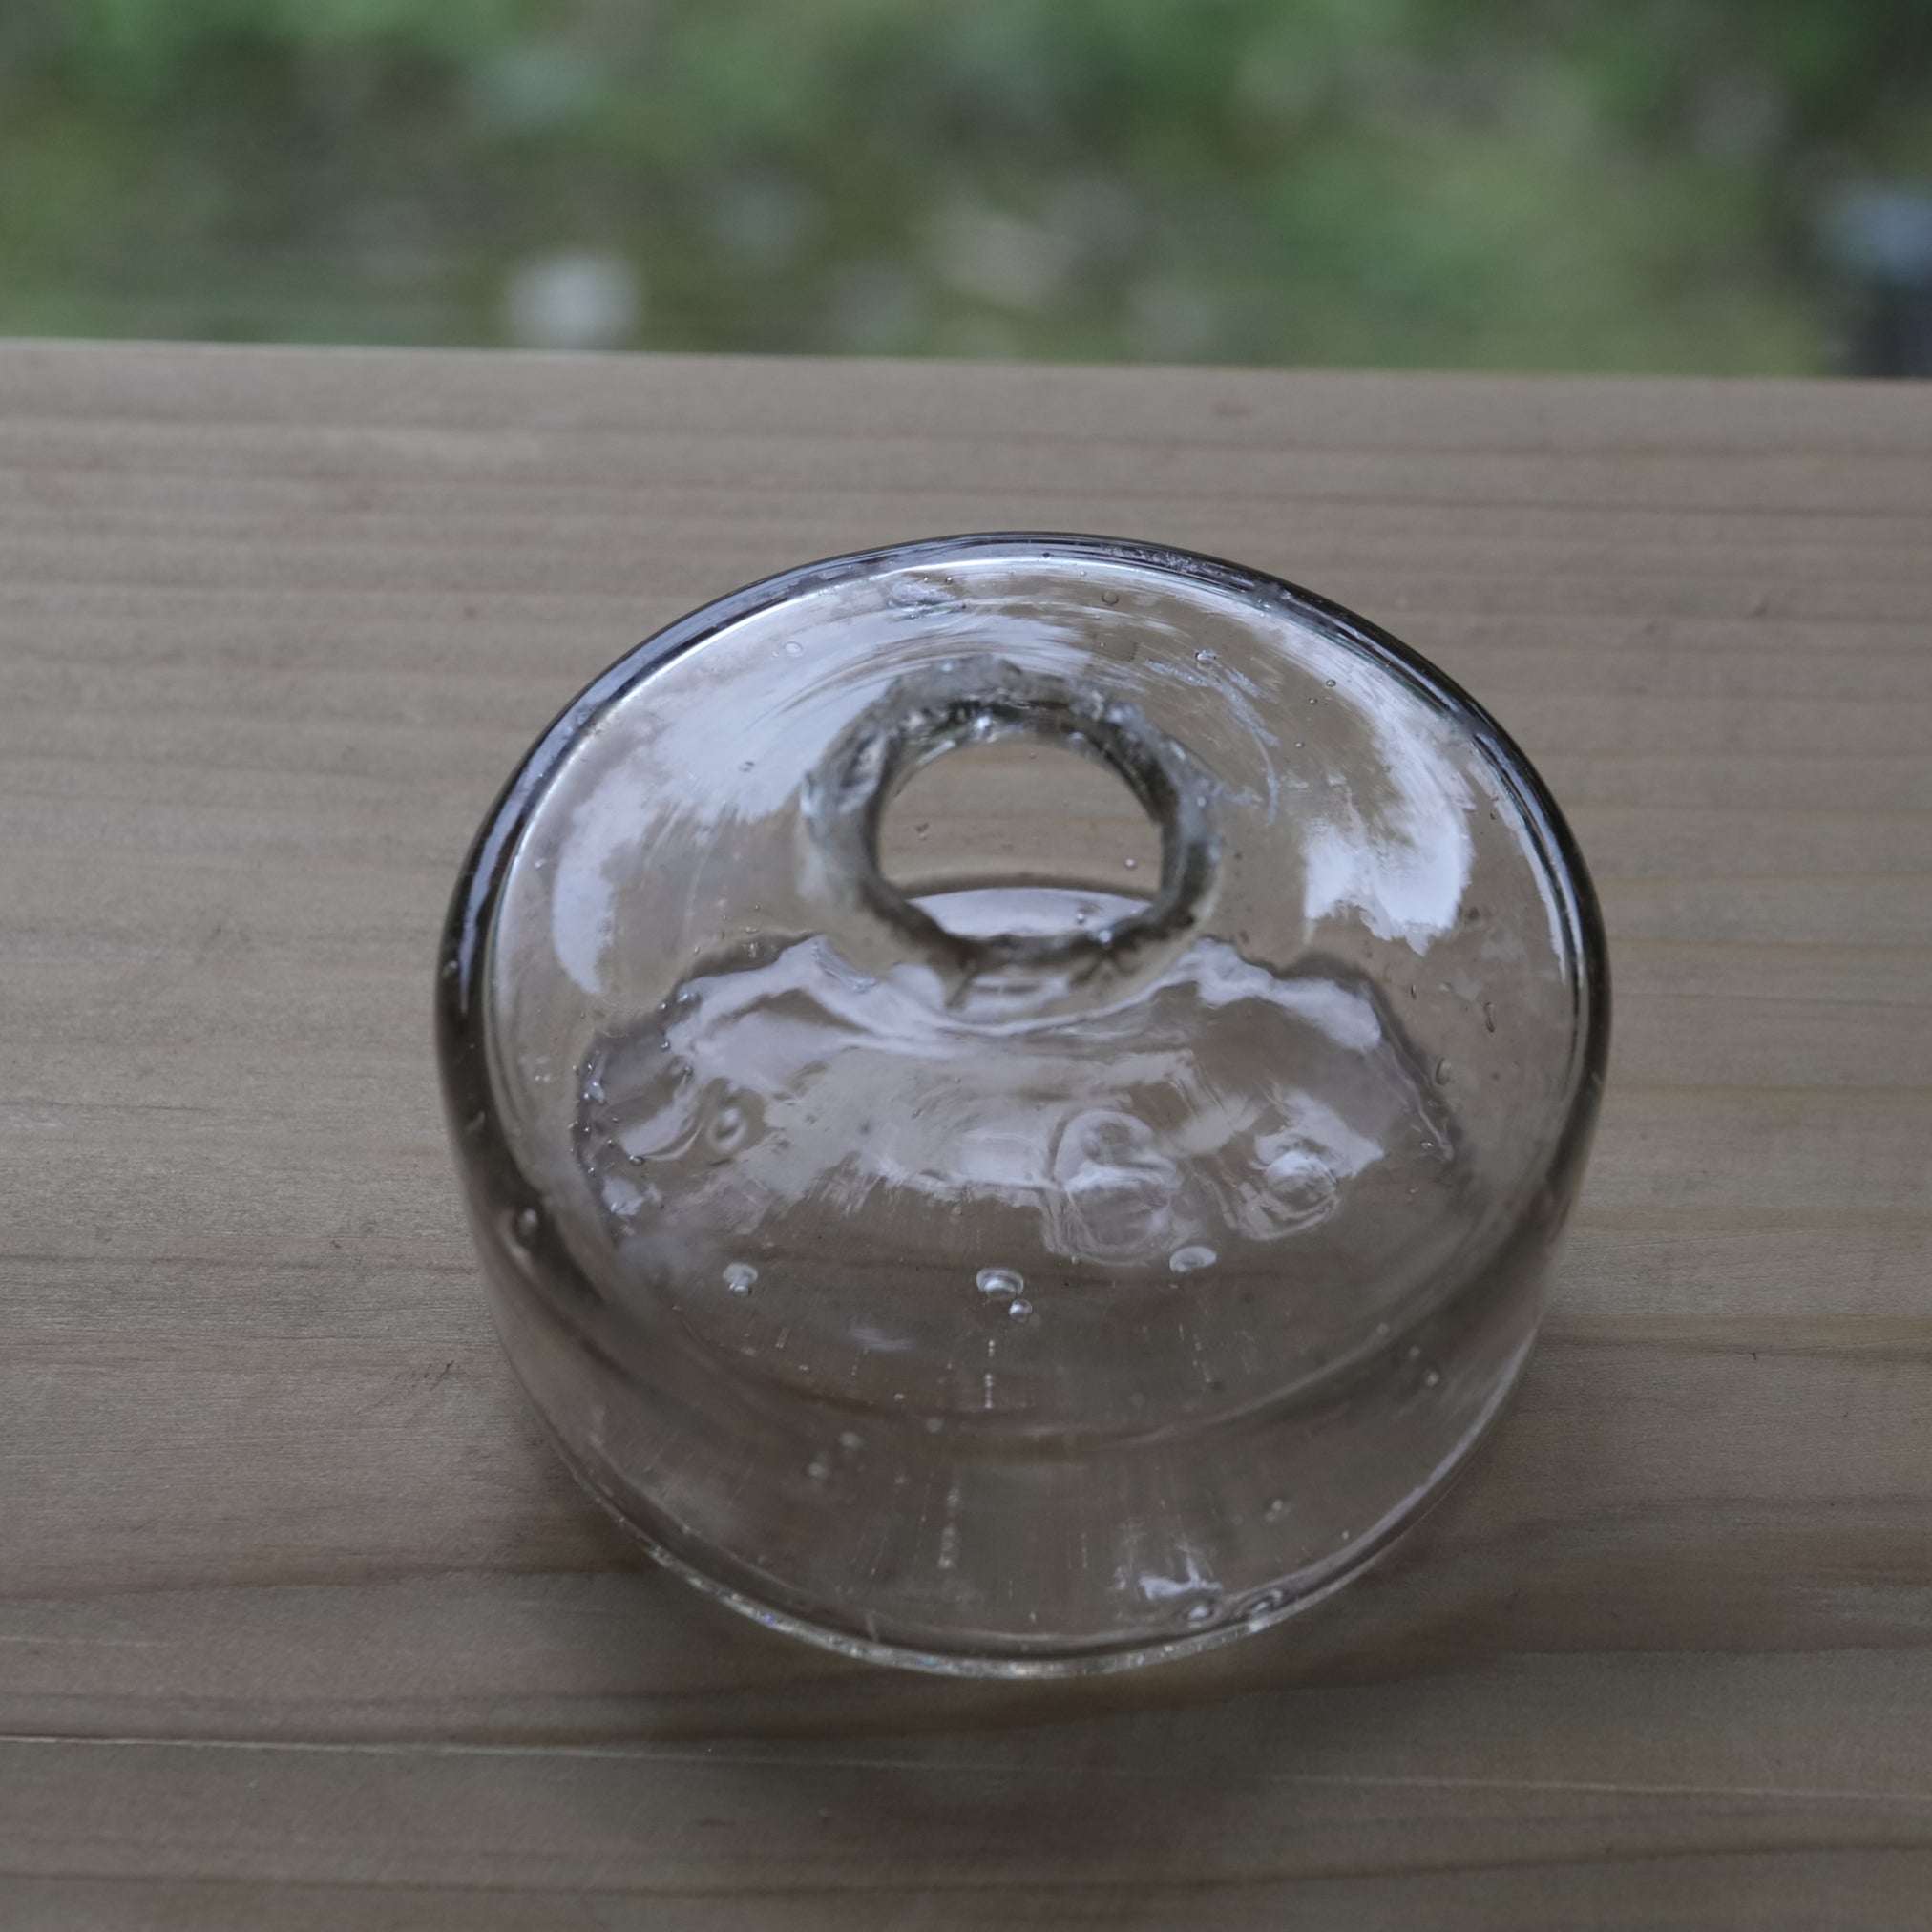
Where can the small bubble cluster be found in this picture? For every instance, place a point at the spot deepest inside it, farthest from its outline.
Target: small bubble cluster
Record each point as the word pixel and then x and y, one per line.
pixel 919 596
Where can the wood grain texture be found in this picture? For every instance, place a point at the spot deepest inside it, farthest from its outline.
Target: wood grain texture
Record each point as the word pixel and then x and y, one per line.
pixel 300 1622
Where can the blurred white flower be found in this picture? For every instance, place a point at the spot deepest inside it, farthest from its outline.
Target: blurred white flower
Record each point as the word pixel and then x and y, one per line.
pixel 579 298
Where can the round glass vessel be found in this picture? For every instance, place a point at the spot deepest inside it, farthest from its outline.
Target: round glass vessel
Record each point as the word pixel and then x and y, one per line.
pixel 1015 1094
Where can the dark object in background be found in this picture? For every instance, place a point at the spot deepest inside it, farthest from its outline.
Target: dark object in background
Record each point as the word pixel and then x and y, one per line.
pixel 1879 240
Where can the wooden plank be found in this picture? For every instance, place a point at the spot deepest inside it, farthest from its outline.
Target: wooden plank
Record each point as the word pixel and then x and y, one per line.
pixel 299 1619
pixel 1337 1803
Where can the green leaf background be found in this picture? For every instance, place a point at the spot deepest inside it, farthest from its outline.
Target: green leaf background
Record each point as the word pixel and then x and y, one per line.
pixel 1490 183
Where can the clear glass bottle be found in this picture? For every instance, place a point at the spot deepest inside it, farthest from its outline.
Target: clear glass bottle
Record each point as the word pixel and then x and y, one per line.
pixel 1015 1094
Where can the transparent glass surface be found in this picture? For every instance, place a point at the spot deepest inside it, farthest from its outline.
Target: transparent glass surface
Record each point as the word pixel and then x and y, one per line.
pixel 1015 1094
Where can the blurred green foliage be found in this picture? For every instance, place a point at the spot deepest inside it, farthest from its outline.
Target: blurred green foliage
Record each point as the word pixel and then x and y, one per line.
pixel 1506 183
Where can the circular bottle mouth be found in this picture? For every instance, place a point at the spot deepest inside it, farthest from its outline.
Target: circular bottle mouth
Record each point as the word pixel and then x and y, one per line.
pixel 1010 975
